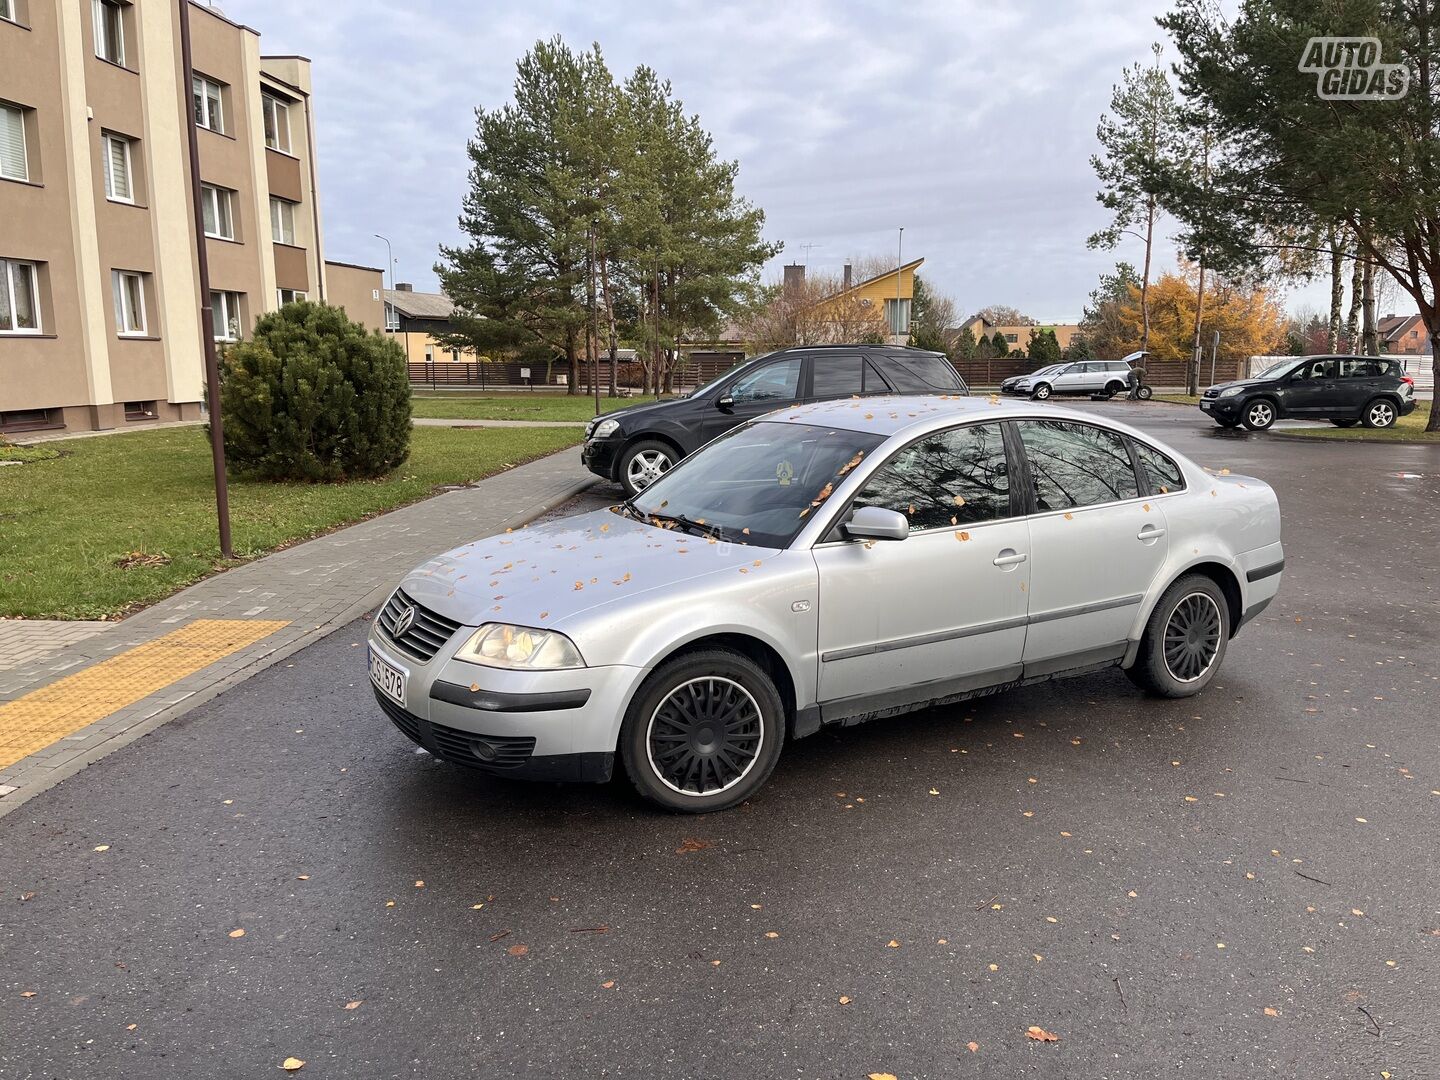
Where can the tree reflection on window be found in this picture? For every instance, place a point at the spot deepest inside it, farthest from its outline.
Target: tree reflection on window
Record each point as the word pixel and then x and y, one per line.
pixel 954 477
pixel 1076 464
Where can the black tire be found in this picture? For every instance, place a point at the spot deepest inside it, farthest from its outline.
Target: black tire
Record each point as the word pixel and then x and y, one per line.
pixel 1197 654
pixel 1145 393
pixel 637 457
pixel 698 780
pixel 1379 412
pixel 1258 414
pixel 1344 423
pixel 1113 388
pixel 1041 392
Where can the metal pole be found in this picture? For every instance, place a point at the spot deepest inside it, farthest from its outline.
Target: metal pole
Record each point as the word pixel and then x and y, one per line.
pixel 389 260
pixel 1214 351
pixel 207 314
pixel 594 327
pixel 899 262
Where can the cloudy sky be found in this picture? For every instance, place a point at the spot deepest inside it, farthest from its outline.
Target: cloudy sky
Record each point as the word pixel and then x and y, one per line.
pixel 969 123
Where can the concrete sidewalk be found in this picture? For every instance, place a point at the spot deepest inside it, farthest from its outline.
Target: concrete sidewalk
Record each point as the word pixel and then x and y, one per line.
pixel 224 629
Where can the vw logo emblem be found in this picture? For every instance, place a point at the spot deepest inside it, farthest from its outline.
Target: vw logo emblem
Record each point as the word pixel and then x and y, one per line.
pixel 404 621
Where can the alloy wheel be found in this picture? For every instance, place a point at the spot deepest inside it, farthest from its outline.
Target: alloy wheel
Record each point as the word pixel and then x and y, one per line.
pixel 1042 391
pixel 1192 637
pixel 705 736
pixel 1260 415
pixel 646 467
pixel 1381 414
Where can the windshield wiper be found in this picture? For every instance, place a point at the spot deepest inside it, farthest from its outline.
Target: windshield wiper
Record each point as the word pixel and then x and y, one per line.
pixel 690 525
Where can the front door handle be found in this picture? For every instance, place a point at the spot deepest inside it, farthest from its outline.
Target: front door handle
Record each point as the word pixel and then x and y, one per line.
pixel 1149 534
pixel 1010 558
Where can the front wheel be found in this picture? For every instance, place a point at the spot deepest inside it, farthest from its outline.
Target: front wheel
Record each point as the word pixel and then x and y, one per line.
pixel 1184 641
pixel 704 732
pixel 1380 413
pixel 1259 415
pixel 1041 392
pixel 644 463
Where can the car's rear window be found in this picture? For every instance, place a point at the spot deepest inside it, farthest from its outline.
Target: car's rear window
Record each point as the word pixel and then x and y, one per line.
pixel 922 373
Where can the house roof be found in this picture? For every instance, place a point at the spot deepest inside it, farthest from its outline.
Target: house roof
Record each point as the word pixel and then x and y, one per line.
pixel 420 305
pixel 912 266
pixel 1394 326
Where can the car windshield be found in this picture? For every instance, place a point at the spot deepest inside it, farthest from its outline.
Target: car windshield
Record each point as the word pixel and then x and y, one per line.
pixel 757 484
pixel 1278 369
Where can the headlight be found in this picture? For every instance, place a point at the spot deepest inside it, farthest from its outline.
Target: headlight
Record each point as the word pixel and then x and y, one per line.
pixel 522 647
pixel 1230 391
pixel 605 429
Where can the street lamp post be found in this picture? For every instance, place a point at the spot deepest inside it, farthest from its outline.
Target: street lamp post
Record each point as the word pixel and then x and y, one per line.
pixel 899 262
pixel 389 259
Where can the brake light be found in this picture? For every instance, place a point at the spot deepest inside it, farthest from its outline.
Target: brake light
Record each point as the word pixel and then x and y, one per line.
pixel 1407 380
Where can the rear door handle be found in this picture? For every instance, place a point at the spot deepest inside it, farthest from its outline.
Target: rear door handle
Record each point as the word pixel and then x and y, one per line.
pixel 1150 532
pixel 1010 557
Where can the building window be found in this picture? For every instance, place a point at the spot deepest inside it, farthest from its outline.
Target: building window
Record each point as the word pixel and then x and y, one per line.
pixel 129 290
pixel 1012 338
pixel 216 203
pixel 208 111
pixel 392 318
pixel 141 410
pixel 282 221
pixel 31 419
pixel 897 315
pixel 19 297
pixel 225 307
pixel 277 122
pixel 7 10
pixel 289 296
pixel 118 184
pixel 110 31
pixel 14 160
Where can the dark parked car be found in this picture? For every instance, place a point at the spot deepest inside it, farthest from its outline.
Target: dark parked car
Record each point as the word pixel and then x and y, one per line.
pixel 1346 390
pixel 635 446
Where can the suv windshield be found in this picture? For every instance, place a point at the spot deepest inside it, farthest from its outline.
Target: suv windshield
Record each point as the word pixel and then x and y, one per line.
pixel 757 484
pixel 1280 368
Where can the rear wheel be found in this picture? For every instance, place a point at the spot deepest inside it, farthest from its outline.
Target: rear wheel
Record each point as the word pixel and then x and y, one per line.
pixel 1379 413
pixel 644 463
pixel 1041 392
pixel 704 732
pixel 1344 423
pixel 1259 414
pixel 1184 641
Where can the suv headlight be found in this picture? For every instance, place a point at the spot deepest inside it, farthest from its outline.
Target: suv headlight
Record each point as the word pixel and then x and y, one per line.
pixel 604 429
pixel 519 647
pixel 1230 391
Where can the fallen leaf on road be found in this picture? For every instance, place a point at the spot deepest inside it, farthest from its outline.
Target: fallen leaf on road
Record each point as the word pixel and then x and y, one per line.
pixel 690 843
pixel 892 944
pixel 237 933
pixel 290 1064
pixel 389 903
pixel 354 1004
pixel 24 896
pixel 1271 1012
pixel 103 847
pixel 1039 1034
pixel 934 792
pixel 419 884
pixel 844 1000
pixel 608 984
pixel 973 1047
pixel 879 1076
pixel 771 934
pixel 27 993
pixel 518 950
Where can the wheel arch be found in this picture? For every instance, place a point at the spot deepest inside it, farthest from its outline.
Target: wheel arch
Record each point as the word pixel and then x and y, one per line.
pixel 639 437
pixel 1265 395
pixel 1225 578
pixel 761 652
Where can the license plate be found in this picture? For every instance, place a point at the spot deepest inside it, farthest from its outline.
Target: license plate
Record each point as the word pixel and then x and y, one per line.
pixel 389 679
pixel 1204 404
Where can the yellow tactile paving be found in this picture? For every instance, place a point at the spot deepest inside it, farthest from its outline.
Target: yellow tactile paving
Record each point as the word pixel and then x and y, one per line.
pixel 43 716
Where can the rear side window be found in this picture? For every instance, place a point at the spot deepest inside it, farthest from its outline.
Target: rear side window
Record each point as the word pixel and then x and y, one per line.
pixel 1365 367
pixel 1076 464
pixel 951 478
pixel 923 373
pixel 843 376
pixel 1163 474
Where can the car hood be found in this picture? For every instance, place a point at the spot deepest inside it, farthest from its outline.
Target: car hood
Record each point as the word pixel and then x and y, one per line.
pixel 1238 382
pixel 644 411
pixel 546 574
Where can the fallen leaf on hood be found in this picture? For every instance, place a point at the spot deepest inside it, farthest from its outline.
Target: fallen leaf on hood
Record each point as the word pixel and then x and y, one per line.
pixel 1039 1034
pixel 962 536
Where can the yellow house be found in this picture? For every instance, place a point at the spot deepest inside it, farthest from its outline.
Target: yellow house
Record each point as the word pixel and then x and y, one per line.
pixel 878 304
pixel 1018 337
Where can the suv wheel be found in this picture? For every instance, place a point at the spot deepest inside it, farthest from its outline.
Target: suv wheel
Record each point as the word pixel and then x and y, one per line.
pixel 1041 392
pixel 644 463
pixel 1184 641
pixel 704 732
pixel 1379 413
pixel 1259 414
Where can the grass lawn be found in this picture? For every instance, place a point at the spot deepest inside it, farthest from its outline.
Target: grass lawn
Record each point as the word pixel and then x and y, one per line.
pixel 1407 429
pixel 518 405
pixel 1178 399
pixel 122 521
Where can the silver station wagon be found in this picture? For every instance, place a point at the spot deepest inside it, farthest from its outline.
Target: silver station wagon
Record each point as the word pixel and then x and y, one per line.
pixel 827 564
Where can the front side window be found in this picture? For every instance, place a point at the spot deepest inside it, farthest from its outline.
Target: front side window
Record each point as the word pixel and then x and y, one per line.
pixel 129 290
pixel 14 164
pixel 758 483
pixel 118 184
pixel 1318 369
pixel 951 478
pixel 277 122
pixel 1159 469
pixel 1076 464
pixel 216 204
pixel 778 382
pixel 208 110
pixel 225 315
pixel 19 297
pixel 282 221
pixel 110 31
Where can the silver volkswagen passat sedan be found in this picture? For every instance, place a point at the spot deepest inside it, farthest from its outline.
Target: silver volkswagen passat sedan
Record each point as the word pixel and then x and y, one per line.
pixel 827 564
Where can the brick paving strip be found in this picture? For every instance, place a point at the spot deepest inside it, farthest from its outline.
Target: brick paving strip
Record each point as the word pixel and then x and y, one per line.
pixel 296 596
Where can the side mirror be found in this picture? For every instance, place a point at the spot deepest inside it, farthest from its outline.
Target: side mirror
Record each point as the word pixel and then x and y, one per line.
pixel 876 523
pixel 725 404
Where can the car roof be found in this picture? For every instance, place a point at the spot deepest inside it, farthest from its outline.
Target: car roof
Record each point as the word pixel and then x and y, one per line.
pixel 892 414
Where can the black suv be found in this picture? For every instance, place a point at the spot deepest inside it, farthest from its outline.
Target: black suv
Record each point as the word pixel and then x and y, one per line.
pixel 634 446
pixel 1346 390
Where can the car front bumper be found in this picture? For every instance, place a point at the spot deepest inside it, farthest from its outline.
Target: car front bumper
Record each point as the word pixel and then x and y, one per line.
pixel 1222 408
pixel 600 456
pixel 541 725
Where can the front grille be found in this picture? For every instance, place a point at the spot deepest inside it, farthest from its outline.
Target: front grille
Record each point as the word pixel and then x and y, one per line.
pixel 459 747
pixel 426 633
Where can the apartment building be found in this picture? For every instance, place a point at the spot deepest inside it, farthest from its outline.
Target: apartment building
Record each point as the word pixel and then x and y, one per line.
pixel 99 291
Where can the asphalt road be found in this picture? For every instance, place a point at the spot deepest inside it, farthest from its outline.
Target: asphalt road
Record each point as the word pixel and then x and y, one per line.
pixel 1241 884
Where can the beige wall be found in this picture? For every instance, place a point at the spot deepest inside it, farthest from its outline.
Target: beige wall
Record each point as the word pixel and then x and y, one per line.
pixel 357 290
